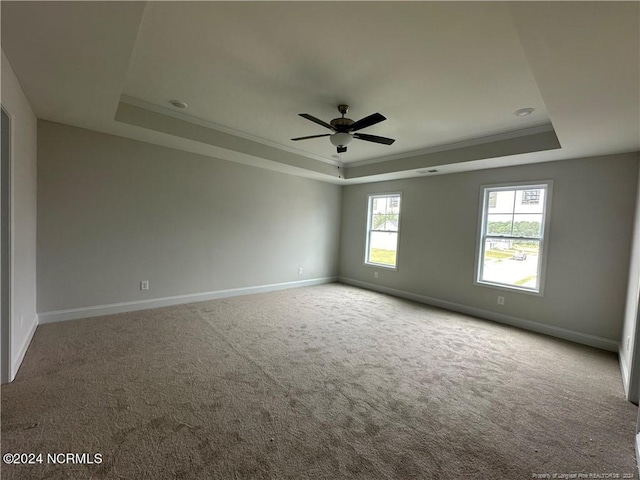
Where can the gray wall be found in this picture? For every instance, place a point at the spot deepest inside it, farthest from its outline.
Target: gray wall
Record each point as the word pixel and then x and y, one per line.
pixel 24 319
pixel 113 212
pixel 588 253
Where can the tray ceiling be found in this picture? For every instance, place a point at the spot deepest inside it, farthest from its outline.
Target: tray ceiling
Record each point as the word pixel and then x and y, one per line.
pixel 448 76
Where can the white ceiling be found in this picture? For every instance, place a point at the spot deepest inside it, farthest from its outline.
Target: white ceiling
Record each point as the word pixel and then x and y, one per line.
pixel 447 75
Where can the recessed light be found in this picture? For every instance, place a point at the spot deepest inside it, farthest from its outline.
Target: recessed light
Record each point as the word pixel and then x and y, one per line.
pixel 523 112
pixel 178 103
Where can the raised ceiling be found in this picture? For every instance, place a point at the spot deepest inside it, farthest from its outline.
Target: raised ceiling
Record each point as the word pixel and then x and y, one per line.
pixel 448 76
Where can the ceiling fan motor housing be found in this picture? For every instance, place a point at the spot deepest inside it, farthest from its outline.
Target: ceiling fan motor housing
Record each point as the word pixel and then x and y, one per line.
pixel 341 124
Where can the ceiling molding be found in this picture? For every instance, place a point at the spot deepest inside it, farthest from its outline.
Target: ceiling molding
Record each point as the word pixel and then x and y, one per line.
pixel 221 128
pixel 543 141
pixel 458 145
pixel 227 145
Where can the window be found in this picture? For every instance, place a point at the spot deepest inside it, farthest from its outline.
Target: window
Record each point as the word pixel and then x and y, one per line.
pixel 512 236
pixel 383 221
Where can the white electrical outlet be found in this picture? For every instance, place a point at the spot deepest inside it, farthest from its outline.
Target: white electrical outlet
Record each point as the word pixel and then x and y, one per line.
pixel 375 274
pixel 500 300
pixel 144 285
pixel 300 270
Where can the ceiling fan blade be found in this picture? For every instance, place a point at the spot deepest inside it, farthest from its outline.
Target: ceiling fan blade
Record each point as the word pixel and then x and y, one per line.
pixel 367 122
pixel 311 136
pixel 373 138
pixel 316 120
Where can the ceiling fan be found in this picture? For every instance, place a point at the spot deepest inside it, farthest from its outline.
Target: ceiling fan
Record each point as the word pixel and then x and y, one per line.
pixel 344 128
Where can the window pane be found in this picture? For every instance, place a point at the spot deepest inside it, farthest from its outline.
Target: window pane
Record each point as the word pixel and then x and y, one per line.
pixel 493 199
pixel 385 222
pixel 503 201
pixel 377 221
pixel 383 247
pixel 389 223
pixel 499 224
pixel 379 205
pixel 512 263
pixel 527 225
pixel 393 205
pixel 530 201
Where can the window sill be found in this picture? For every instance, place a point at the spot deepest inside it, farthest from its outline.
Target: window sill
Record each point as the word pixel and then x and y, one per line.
pixel 381 265
pixel 509 288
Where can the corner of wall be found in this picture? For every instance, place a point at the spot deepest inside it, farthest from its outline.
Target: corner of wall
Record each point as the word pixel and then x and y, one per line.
pixel 622 359
pixel 17 359
pixel 23 215
pixel 629 341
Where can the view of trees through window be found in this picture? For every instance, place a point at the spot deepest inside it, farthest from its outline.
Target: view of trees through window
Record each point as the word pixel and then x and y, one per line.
pixel 513 220
pixel 382 235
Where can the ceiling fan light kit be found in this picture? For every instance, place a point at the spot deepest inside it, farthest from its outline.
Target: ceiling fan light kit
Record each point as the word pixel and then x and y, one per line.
pixel 340 139
pixel 344 129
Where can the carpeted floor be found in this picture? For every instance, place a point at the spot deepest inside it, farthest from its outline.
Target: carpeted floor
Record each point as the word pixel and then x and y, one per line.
pixel 326 382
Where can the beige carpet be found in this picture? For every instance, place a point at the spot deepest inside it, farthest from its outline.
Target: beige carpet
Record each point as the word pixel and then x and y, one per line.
pixel 326 382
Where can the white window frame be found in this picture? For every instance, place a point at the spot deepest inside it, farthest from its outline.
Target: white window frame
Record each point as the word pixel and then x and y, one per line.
pixel 370 198
pixel 485 190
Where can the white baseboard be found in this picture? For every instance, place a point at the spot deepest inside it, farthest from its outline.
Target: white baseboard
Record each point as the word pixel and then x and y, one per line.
pixel 638 452
pixel 94 311
pixel 578 337
pixel 16 361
